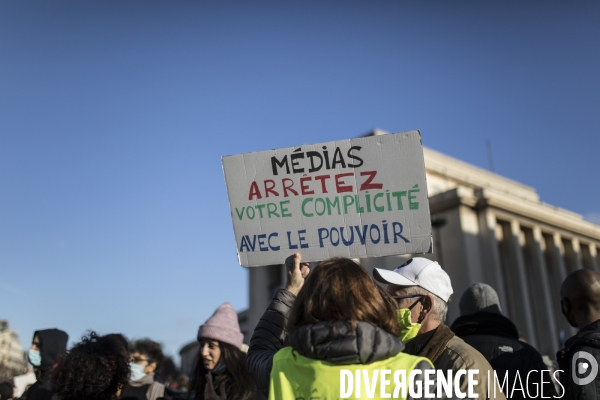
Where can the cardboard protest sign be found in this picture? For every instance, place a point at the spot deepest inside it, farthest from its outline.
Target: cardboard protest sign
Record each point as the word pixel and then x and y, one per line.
pixel 357 198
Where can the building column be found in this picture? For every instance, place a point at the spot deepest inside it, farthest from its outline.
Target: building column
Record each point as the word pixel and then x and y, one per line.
pixel 283 278
pixel 576 253
pixel 559 271
pixel 257 283
pixel 262 281
pixel 469 225
pixel 456 261
pixel 545 321
pixel 525 315
pixel 594 257
pixel 490 255
pixel 558 256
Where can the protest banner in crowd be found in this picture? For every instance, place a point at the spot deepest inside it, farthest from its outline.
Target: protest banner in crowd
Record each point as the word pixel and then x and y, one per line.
pixel 357 198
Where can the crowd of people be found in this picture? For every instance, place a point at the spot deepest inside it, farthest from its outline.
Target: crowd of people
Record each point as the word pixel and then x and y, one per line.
pixel 336 320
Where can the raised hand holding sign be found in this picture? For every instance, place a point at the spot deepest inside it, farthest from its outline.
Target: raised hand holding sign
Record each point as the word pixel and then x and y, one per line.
pixel 297 271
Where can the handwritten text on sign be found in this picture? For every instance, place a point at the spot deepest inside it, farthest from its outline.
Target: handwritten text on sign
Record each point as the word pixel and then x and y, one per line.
pixel 363 197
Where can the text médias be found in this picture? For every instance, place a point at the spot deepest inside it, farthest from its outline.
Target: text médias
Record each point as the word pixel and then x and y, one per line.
pixel 420 384
pixel 314 161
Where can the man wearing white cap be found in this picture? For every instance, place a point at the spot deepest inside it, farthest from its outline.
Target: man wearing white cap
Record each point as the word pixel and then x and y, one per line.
pixel 422 289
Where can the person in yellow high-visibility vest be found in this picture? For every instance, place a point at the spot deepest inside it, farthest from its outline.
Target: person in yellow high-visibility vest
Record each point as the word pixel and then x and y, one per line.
pixel 330 336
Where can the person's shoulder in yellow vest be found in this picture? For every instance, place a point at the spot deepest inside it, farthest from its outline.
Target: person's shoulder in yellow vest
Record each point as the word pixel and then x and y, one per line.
pixel 295 376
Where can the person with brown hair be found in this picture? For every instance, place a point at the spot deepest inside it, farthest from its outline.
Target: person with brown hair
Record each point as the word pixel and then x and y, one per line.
pixel 146 356
pixel 220 371
pixel 340 320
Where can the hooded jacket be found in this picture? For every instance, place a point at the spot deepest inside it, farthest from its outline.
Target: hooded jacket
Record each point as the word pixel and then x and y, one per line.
pixel 316 346
pixel 53 343
pixel 587 340
pixel 497 338
pixel 312 366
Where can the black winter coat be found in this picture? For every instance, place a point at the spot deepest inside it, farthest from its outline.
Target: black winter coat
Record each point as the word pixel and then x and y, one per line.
pixel 268 338
pixel 497 338
pixel 586 340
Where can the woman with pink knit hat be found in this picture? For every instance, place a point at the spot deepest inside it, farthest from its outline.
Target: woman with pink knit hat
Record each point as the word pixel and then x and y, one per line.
pixel 220 366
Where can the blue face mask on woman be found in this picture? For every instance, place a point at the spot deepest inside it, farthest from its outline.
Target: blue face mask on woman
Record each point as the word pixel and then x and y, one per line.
pixel 137 371
pixel 34 357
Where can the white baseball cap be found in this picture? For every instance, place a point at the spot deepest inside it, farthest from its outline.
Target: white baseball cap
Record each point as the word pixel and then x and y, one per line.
pixel 421 272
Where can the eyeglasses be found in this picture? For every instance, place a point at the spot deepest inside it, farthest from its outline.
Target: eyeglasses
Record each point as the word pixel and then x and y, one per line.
pixel 410 296
pixel 139 360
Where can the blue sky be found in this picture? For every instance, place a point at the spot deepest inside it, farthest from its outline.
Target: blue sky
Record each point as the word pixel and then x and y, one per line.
pixel 114 116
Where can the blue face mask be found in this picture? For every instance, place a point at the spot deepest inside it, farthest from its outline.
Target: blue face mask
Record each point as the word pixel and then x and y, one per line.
pixel 137 371
pixel 34 357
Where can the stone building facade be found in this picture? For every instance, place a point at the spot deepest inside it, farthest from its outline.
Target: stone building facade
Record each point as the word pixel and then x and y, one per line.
pixel 486 228
pixel 12 356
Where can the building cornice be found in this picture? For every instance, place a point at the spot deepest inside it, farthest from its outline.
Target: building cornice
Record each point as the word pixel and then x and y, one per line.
pixel 540 212
pixel 471 176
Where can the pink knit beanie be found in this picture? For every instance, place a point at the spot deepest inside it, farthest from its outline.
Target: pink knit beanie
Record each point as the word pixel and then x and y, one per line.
pixel 223 326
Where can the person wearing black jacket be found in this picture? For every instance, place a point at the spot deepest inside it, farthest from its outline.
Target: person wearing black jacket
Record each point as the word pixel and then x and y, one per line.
pixel 580 304
pixel 483 326
pixel 47 347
